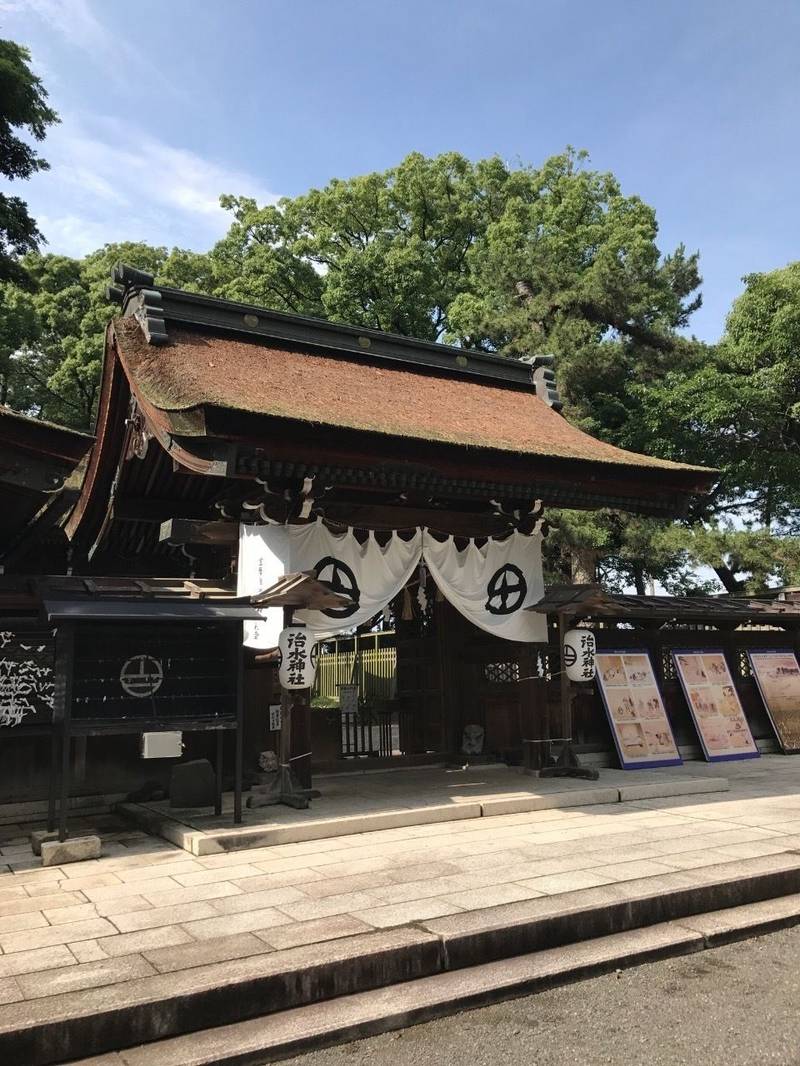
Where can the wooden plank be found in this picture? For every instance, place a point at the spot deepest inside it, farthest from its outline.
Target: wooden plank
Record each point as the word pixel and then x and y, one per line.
pixel 186 531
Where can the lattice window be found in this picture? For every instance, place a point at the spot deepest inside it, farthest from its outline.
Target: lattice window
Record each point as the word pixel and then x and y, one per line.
pixel 501 673
pixel 668 665
pixel 742 663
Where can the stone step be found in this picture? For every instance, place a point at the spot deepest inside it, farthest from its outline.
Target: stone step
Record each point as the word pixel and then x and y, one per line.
pixel 61 1027
pixel 161 821
pixel 318 1025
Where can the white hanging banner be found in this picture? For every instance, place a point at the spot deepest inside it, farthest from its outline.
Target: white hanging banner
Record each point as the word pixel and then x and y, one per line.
pixel 492 585
pixel 261 564
pixel 369 574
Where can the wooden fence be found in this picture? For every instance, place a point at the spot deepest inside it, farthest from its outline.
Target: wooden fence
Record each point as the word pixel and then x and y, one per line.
pixel 376 674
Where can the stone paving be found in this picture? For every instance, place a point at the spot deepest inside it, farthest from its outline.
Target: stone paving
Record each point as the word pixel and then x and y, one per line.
pixel 147 907
pixel 365 802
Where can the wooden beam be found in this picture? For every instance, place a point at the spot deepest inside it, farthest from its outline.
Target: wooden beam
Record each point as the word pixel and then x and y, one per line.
pixel 152 509
pixel 387 517
pixel 187 531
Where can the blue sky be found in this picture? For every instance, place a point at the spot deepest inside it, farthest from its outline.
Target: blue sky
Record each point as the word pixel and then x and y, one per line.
pixel 168 103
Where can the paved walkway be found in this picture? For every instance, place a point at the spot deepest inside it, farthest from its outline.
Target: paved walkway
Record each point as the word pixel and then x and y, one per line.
pixel 147 907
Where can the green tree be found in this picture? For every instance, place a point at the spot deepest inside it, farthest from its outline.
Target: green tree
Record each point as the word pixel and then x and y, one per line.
pixel 386 250
pixel 23 107
pixel 738 409
pixel 55 370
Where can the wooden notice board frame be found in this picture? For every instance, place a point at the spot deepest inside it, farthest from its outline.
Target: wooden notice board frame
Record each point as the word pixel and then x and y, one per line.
pixel 67 725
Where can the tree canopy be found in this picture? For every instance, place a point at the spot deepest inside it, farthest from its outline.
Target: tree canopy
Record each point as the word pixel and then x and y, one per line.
pixel 23 107
pixel 514 260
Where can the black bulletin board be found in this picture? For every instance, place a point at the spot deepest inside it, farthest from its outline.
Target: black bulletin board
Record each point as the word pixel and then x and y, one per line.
pixel 146 672
pixel 27 663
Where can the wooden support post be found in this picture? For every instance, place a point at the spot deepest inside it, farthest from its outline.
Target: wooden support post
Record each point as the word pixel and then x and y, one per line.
pixel 218 771
pixel 238 757
pixel 567 764
pixel 62 716
pixel 565 686
pixel 53 783
pixel 63 799
pixel 286 789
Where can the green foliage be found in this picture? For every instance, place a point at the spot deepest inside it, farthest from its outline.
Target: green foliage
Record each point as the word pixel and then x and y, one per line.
pixel 23 106
pixel 55 372
pixel 518 261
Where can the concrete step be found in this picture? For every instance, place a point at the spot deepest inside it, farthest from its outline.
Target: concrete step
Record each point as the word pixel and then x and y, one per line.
pixel 60 1027
pixel 293 1032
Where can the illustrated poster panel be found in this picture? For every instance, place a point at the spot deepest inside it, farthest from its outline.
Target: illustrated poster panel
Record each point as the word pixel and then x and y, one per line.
pixel 26 678
pixel 635 710
pixel 778 677
pixel 714 704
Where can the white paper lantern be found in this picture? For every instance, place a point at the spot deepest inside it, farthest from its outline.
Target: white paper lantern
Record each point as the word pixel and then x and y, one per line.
pixel 298 658
pixel 579 651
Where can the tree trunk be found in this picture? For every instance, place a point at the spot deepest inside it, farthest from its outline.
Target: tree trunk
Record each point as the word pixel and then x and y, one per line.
pixel 732 584
pixel 583 563
pixel 639 582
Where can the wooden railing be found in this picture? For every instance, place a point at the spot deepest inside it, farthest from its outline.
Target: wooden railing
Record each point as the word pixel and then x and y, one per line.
pixel 376 674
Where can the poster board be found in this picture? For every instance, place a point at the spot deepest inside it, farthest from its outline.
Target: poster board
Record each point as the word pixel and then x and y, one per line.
pixel 714 704
pixel 778 678
pixel 632 700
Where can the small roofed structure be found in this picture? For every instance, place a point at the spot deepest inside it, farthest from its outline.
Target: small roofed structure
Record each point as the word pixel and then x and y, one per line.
pixel 593 601
pixel 38 463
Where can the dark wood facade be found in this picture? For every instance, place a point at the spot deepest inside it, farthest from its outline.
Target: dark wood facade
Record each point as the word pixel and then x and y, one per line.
pixel 212 412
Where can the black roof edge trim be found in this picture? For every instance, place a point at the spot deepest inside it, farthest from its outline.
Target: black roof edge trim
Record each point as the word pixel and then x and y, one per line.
pixel 247 320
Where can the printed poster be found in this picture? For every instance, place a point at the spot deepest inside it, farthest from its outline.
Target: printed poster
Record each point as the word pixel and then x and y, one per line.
pixel 714 703
pixel 635 710
pixel 778 677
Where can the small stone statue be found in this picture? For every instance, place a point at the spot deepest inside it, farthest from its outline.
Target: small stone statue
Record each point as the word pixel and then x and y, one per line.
pixel 268 762
pixel 472 740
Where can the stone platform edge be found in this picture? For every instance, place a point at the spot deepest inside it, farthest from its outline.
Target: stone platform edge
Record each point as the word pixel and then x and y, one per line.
pixel 209 842
pixel 364 1014
pixel 92 1022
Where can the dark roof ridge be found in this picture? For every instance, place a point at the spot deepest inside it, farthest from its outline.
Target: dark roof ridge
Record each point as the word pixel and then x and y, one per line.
pixel 34 420
pixel 155 305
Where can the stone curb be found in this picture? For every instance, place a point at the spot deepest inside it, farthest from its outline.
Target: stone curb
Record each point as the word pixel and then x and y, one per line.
pixel 61 1028
pixel 320 1025
pixel 210 842
pixel 475 937
pixel 58 1028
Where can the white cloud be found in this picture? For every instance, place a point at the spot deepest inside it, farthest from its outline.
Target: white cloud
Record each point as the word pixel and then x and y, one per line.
pixel 76 22
pixel 110 181
pixel 72 19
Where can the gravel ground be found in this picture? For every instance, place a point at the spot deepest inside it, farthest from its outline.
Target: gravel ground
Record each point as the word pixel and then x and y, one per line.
pixel 733 1005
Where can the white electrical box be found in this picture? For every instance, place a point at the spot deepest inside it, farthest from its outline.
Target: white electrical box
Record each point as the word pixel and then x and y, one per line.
pixel 162 745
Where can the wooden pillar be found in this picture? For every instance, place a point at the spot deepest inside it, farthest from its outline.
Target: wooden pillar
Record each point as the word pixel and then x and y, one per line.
pixel 566 686
pixel 301 737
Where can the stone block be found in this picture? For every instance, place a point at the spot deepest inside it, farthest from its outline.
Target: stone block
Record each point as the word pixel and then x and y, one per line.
pixel 672 787
pixel 578 797
pixel 83 976
pixel 721 927
pixel 77 849
pixel 192 784
pixel 39 836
